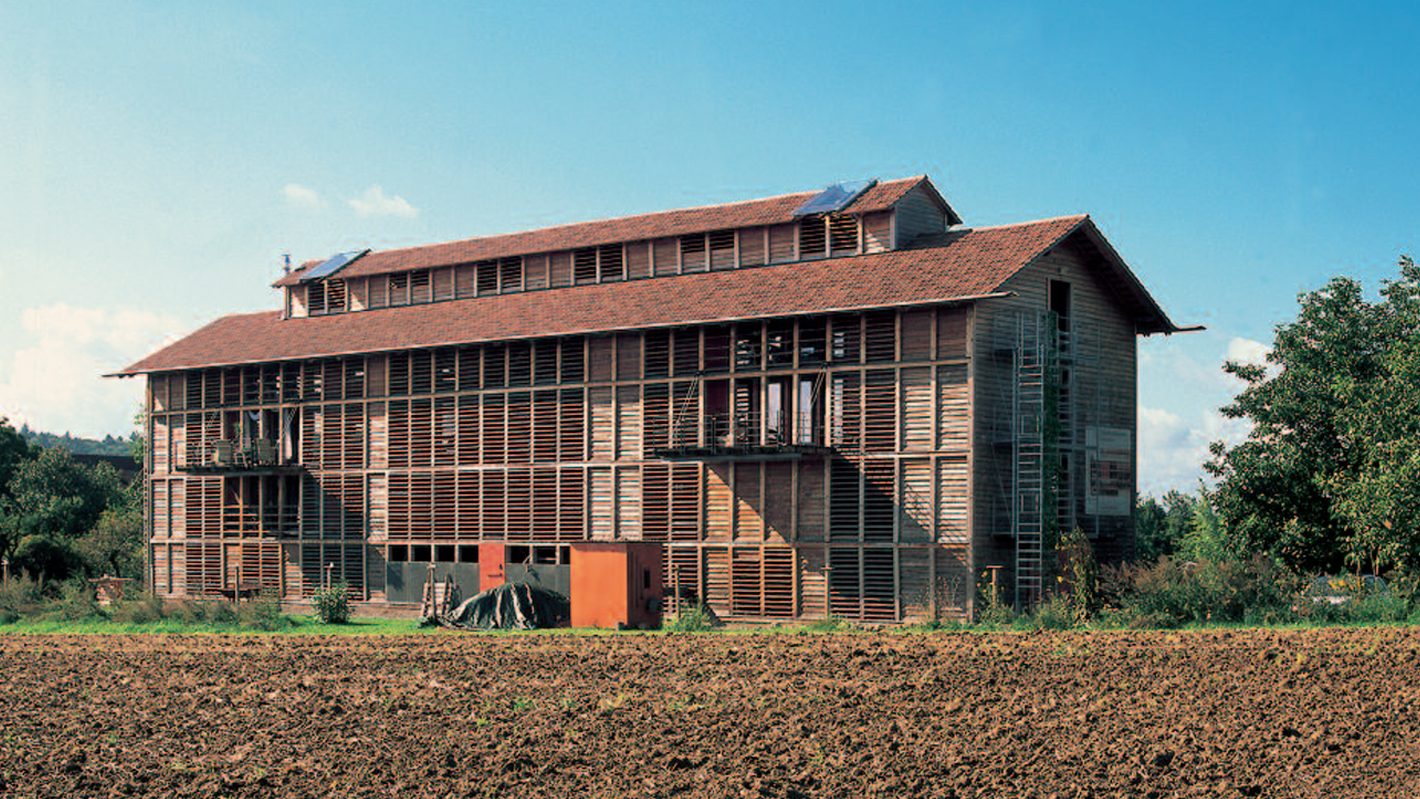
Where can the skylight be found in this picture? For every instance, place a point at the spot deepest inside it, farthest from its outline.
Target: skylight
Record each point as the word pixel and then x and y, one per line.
pixel 331 265
pixel 835 197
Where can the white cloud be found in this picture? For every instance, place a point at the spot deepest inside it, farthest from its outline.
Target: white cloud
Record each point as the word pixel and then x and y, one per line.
pixel 53 381
pixel 374 203
pixel 1244 350
pixel 301 198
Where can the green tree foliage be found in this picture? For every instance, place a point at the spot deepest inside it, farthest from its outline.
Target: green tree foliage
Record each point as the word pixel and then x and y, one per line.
pixel 60 518
pixel 1161 526
pixel 1328 475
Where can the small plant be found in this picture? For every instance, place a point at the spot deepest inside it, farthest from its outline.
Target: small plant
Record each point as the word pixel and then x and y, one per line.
pixel 1083 573
pixel 138 607
pixel 264 613
pixel 693 619
pixel 75 603
pixel 18 598
pixel 332 604
pixel 1057 613
pixel 830 624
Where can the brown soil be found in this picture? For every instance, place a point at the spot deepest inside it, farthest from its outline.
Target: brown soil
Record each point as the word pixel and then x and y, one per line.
pixel 1294 713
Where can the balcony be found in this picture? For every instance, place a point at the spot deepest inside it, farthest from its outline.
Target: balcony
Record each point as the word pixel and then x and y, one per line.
pixel 737 436
pixel 255 456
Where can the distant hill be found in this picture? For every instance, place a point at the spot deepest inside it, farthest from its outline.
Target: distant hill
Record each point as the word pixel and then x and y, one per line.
pixel 109 445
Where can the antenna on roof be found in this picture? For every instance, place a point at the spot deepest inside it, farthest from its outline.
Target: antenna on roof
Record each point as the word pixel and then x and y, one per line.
pixel 286 270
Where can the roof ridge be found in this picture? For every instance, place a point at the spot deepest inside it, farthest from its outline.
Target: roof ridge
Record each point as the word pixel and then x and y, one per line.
pixel 1046 221
pixel 529 241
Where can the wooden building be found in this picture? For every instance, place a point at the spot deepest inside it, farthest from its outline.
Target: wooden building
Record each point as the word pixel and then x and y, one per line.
pixel 840 403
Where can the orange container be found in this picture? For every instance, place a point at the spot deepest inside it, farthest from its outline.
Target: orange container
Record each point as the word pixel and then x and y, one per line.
pixel 616 584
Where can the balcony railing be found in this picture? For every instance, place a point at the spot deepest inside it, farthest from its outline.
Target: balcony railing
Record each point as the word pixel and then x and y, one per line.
pixel 223 455
pixel 737 435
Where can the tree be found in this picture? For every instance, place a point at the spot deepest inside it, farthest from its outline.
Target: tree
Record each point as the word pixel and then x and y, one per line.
pixel 14 450
pixel 1324 478
pixel 1161 527
pixel 54 501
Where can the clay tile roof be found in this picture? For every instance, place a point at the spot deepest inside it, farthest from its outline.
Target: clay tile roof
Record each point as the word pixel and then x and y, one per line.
pixel 958 265
pixel 770 211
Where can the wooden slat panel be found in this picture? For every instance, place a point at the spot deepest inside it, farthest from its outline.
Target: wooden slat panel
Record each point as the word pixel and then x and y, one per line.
pixel 162 571
pixel 779 583
pixel 915 588
pixel 918 491
pixel 813 582
pixel 377 486
pixel 955 584
pixel 752 247
pixel 686 502
pixel 877 231
pixel 916 337
pixel 603 514
pixel 561 266
pixel 717 580
pixel 603 423
pixel 666 255
pixel 628 506
pixel 778 504
pixel 879 500
pixel 782 240
pixel 443 283
pixel 952 333
pixel 600 358
pixel 638 259
pixel 572 505
pixel 880 411
pixel 718 499
pixel 917 408
pixel 544 504
pixel 749 523
pixel 536 271
pixel 953 408
pixel 811 525
pixel 519 507
pixel 628 422
pixel 879 585
pixel 953 501
pixel 746 582
pixel 572 425
pixel 470 506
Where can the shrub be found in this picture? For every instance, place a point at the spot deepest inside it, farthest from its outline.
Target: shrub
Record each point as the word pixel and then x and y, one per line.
pixel 1059 612
pixel 332 604
pixel 263 613
pixel 1083 573
pixel 75 603
pixel 18 597
pixel 692 619
pixel 1172 593
pixel 138 608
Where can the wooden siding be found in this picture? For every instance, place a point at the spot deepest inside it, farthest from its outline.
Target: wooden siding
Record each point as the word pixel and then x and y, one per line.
pixel 917 215
pixel 555 440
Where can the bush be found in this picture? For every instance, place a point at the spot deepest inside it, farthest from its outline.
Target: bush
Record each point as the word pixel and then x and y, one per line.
pixel 692 619
pixel 262 613
pixel 19 597
pixel 1060 612
pixel 332 604
pixel 138 607
pixel 1173 593
pixel 75 603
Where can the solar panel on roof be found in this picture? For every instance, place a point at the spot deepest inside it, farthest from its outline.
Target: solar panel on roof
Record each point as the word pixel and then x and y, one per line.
pixel 332 264
pixel 835 197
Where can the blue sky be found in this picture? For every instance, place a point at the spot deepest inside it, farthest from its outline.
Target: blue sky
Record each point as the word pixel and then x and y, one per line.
pixel 156 159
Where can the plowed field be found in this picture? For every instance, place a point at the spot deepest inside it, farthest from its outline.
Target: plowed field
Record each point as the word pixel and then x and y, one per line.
pixel 1314 713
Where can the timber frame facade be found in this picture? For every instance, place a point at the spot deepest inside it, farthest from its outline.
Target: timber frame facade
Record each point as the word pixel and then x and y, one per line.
pixel 848 412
